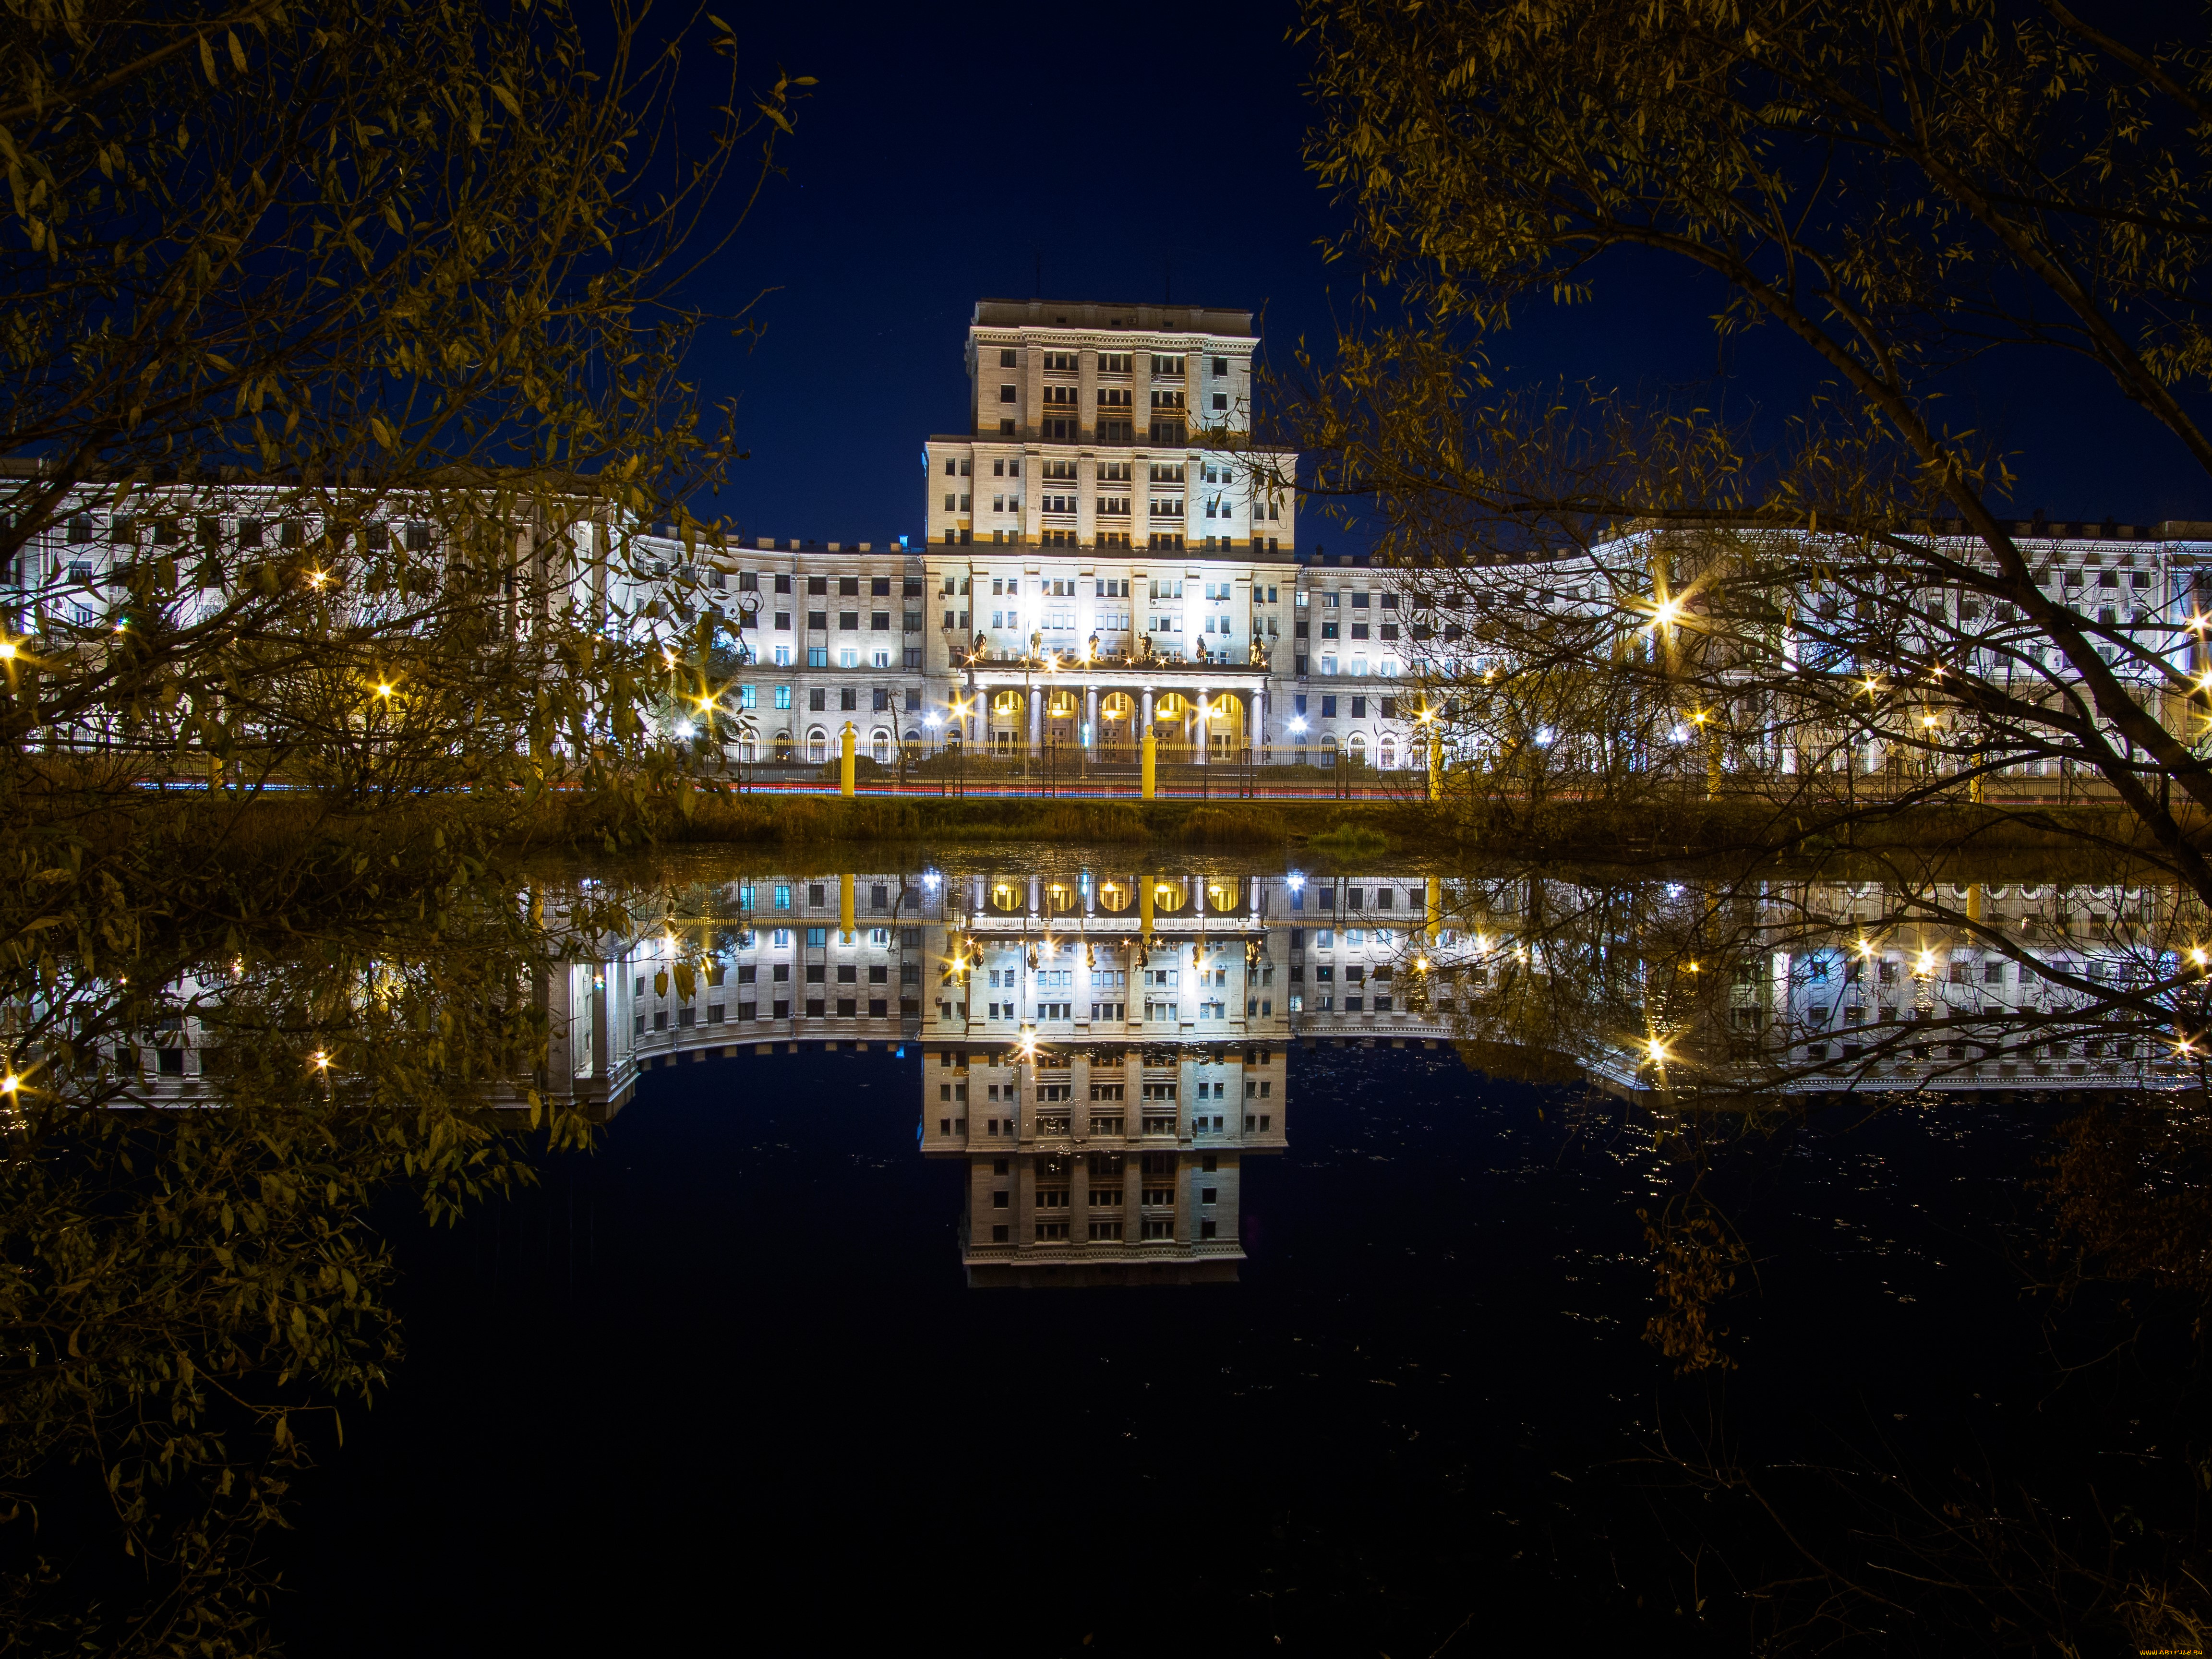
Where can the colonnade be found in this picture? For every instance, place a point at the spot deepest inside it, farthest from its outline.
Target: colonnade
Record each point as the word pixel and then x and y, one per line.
pixel 1200 711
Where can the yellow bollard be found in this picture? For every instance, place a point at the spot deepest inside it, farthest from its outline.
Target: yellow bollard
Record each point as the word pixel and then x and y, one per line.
pixel 1435 906
pixel 1974 902
pixel 1152 768
pixel 845 882
pixel 1145 904
pixel 1435 767
pixel 849 746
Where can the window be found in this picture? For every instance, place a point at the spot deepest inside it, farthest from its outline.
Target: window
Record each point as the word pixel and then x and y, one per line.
pixel 1005 357
pixel 1006 394
pixel 783 697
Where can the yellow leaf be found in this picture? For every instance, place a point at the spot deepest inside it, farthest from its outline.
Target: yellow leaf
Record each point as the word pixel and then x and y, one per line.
pixel 207 61
pixel 237 52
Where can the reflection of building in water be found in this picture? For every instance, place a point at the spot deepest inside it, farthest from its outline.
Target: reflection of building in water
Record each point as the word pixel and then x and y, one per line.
pixel 1813 985
pixel 1109 1013
pixel 764 964
pixel 1105 1050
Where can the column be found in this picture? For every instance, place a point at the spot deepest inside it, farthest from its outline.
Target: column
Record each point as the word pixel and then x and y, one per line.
pixel 1090 716
pixel 1036 718
pixel 1144 717
pixel 1199 727
pixel 1255 725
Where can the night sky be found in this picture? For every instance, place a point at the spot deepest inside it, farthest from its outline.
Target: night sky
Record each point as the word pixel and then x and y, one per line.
pixel 949 155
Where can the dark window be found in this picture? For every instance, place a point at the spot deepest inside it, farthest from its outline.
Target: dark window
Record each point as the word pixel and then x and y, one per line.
pixel 783 584
pixel 848 585
pixel 883 700
pixel 1389 708
pixel 818 584
pixel 817 620
pixel 1359 708
pixel 913 701
pixel 848 622
pixel 880 621
pixel 816 699
pixel 880 587
pixel 1328 708
pixel 849 697
pixel 1005 357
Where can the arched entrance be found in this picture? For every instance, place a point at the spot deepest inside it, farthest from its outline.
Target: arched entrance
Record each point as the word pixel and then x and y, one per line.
pixel 1225 731
pixel 818 746
pixel 1174 724
pixel 1063 717
pixel 1117 735
pixel 1006 723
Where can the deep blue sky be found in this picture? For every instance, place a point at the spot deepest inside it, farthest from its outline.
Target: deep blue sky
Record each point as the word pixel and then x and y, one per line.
pixel 945 153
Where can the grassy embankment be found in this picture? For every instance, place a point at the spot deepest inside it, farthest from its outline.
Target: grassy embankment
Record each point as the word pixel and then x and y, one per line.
pixel 1654 831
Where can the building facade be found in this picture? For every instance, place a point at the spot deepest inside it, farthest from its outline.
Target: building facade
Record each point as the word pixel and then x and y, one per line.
pixel 1103 556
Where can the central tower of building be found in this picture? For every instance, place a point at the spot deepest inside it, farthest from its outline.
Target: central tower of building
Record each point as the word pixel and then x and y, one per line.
pixel 1100 518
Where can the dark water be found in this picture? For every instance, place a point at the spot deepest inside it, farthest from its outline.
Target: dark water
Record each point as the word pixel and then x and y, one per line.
pixel 721 1385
